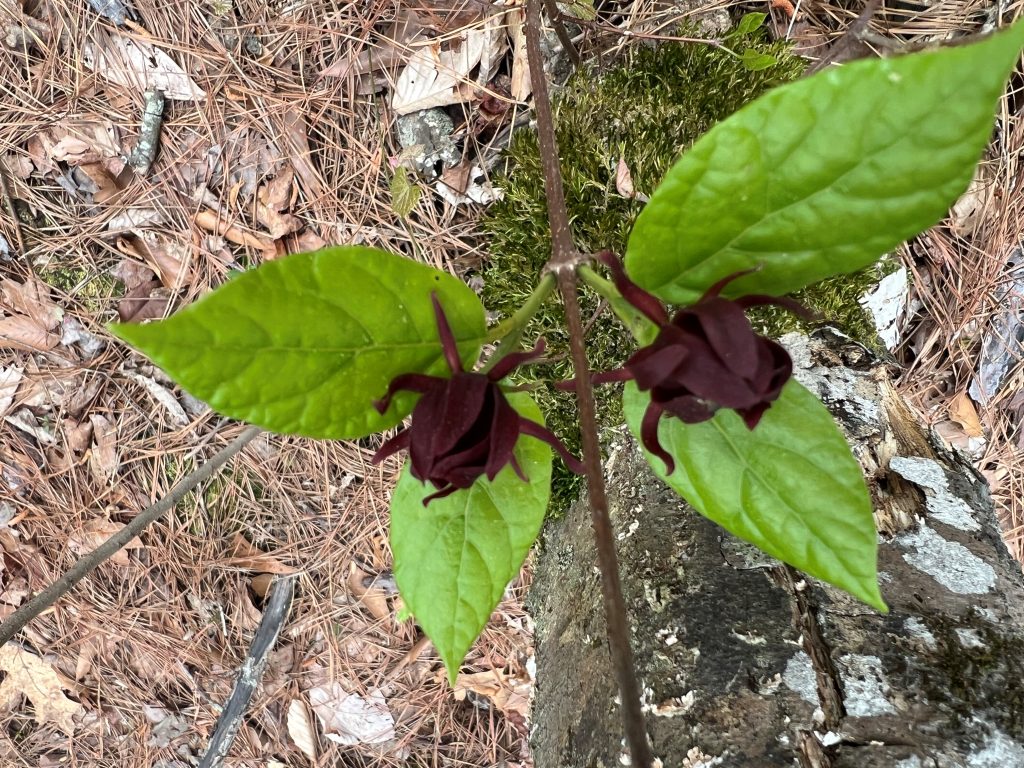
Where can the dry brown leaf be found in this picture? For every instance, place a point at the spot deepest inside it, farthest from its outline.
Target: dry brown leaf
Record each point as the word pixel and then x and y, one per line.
pixel 244 555
pixel 963 412
pixel 212 222
pixel 147 301
pixel 138 65
pixel 104 185
pixel 163 396
pixel 374 599
pixel 20 332
pixel 307 241
pixel 624 180
pixel 273 198
pixel 88 650
pixel 300 728
pixel 34 316
pixel 393 50
pixel 434 77
pixel 10 378
pixel 95 532
pixel 166 256
pixel 131 272
pixel 103 462
pixel 351 719
pixel 974 205
pixel 77 435
pixel 31 298
pixel 83 143
pixel 135 218
pixel 294 135
pixel 506 693
pixel 260 584
pixel 18 166
pixel 31 677
pixel 520 79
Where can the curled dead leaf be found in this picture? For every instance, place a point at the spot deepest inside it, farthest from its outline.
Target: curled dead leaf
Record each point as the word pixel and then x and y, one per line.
pixel 246 556
pixel 300 728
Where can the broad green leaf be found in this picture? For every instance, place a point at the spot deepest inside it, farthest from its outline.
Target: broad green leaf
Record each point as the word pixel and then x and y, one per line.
pixel 454 557
pixel 304 345
pixel 790 486
pixel 824 175
pixel 748 24
pixel 754 61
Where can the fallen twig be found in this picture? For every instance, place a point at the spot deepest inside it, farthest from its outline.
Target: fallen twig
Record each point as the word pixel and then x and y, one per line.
pixel 87 563
pixel 144 153
pixel 279 603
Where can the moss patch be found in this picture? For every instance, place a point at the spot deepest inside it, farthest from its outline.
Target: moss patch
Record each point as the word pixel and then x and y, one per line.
pixel 93 290
pixel 646 111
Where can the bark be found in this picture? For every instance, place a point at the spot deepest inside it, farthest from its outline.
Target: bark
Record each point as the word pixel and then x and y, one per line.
pixel 744 662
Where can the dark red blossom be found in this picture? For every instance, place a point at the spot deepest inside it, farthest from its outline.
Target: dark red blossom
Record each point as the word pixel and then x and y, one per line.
pixel 463 426
pixel 705 358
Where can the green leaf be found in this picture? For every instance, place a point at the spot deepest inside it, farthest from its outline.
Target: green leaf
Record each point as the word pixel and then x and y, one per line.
pixel 754 60
pixel 454 557
pixel 304 345
pixel 824 175
pixel 404 193
pixel 790 486
pixel 748 24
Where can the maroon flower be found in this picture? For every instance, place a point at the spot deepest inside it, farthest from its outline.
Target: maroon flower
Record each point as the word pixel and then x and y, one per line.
pixel 463 427
pixel 705 358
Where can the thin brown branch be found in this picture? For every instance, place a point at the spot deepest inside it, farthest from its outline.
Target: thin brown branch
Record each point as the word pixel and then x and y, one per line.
pixel 607 558
pixel 564 260
pixel 563 252
pixel 557 21
pixel 87 563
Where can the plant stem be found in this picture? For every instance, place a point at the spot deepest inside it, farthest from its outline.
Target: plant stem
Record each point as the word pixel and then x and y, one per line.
pixel 87 563
pixel 643 330
pixel 564 259
pixel 510 330
pixel 551 7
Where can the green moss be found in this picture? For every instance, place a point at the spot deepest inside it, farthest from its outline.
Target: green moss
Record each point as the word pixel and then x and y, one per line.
pixel 647 110
pixel 91 288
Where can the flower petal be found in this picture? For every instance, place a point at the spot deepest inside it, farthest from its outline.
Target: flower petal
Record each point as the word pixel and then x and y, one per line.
pixel 504 366
pixel 409 382
pixel 394 445
pixel 649 436
pixel 451 351
pixel 633 293
pixel 539 431
pixel 728 332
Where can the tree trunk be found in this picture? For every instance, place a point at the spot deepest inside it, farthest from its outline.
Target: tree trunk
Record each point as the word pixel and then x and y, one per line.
pixel 744 662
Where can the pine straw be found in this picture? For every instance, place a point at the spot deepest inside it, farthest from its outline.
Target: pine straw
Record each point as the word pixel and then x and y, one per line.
pixel 960 277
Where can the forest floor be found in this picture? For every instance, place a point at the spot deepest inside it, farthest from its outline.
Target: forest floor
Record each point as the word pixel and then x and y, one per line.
pixel 279 136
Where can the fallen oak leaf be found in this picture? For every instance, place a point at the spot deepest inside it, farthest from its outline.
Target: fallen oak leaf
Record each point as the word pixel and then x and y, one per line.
pixel 95 532
pixel 31 677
